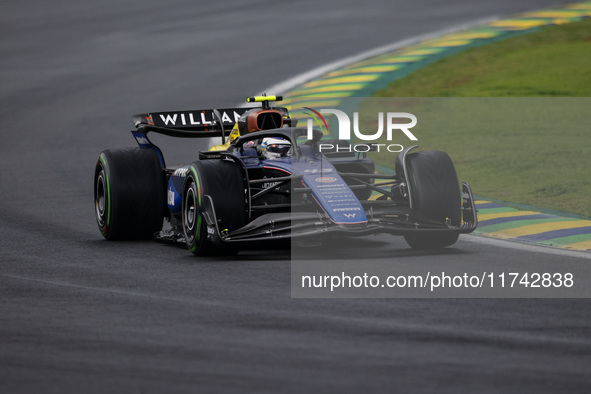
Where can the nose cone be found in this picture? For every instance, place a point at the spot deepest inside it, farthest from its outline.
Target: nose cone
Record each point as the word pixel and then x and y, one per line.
pixel 336 198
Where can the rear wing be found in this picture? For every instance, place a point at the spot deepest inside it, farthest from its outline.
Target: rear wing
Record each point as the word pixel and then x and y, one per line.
pixel 189 124
pixel 204 123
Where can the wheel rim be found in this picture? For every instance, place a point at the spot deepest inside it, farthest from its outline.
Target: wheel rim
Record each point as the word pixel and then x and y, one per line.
pixel 101 198
pixel 190 214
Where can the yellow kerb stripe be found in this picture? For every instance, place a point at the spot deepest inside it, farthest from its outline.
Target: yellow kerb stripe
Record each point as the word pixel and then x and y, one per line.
pixel 402 59
pixel 561 21
pixel 471 35
pixel 581 6
pixel 505 215
pixel 585 245
pixel 519 24
pixel 360 70
pixel 419 52
pixel 539 228
pixel 321 95
pixel 554 14
pixel 317 103
pixel 331 88
pixel 449 43
pixel 357 78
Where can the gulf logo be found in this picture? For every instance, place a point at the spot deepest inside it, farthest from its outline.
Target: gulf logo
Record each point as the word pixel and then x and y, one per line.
pixel 326 179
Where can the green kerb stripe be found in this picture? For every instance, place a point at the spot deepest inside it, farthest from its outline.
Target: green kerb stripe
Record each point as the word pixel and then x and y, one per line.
pixel 567 240
pixel 518 223
pixel 490 211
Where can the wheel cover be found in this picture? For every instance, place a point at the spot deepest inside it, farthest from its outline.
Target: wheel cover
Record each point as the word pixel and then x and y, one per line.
pixel 190 214
pixel 101 198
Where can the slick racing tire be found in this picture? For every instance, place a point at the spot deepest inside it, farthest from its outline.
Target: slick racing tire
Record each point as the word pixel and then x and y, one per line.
pixel 220 180
pixel 129 193
pixel 436 196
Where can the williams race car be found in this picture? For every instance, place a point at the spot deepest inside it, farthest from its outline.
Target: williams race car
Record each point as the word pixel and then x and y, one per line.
pixel 269 181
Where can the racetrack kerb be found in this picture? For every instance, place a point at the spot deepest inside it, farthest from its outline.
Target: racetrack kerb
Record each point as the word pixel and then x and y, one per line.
pixel 370 77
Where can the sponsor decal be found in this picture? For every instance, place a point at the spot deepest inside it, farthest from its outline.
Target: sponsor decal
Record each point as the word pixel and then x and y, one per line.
pixel 327 188
pixel 346 209
pixel 182 172
pixel 349 215
pixel 196 118
pixel 185 119
pixel 142 140
pixel 391 124
pixel 170 197
pixel 316 171
pixel 326 179
pixel 267 185
pixel 362 148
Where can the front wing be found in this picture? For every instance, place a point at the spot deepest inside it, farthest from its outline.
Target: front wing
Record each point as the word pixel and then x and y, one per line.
pixel 382 217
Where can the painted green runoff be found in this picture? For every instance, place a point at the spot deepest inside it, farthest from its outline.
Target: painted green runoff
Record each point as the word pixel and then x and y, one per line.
pixel 532 165
pixel 567 240
pixel 551 62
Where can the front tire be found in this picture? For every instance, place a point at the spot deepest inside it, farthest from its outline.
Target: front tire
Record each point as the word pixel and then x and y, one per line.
pixel 436 195
pixel 222 181
pixel 129 193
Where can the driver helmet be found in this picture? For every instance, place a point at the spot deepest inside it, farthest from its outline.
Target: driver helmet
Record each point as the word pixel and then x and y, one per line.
pixel 274 148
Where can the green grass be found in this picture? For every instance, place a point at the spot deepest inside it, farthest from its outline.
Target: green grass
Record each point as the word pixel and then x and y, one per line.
pixel 529 151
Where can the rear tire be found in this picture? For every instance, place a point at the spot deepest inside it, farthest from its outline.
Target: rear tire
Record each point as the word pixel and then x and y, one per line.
pixel 222 181
pixel 129 193
pixel 436 195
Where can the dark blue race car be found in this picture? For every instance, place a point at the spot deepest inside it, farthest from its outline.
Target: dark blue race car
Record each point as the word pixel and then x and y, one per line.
pixel 268 181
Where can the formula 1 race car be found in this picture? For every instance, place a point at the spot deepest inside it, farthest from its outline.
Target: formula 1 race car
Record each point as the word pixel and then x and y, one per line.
pixel 269 181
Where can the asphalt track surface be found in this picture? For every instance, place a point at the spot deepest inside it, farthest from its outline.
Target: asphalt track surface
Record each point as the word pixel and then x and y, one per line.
pixel 80 314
